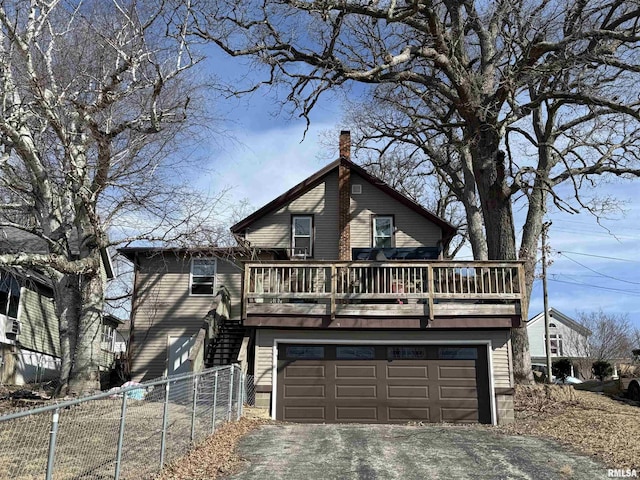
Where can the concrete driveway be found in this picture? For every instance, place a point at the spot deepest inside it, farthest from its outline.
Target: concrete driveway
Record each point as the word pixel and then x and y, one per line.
pixel 371 452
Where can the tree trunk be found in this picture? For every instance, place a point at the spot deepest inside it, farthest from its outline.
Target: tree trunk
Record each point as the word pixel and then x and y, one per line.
pixel 475 225
pixel 85 373
pixel 67 303
pixel 495 199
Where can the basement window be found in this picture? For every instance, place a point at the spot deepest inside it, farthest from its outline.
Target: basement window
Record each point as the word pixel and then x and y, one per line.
pixel 203 276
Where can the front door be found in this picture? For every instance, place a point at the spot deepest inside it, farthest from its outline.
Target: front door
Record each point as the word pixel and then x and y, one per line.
pixel 179 350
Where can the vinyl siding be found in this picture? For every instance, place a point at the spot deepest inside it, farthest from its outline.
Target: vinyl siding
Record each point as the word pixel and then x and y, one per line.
pixel 164 308
pixel 274 229
pixel 499 342
pixel 537 346
pixel 39 324
pixel 39 329
pixel 412 229
pixel 321 201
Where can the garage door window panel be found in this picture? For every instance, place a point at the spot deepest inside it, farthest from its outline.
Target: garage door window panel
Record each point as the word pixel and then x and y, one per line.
pixel 355 353
pixel 406 353
pixel 304 352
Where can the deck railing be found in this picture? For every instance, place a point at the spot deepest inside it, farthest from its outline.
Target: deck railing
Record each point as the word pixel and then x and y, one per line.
pixel 406 288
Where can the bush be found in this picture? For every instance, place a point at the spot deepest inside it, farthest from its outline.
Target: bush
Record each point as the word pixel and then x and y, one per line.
pixel 601 369
pixel 562 368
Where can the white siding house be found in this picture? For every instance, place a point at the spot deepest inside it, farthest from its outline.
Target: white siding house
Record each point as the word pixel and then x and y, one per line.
pixel 567 336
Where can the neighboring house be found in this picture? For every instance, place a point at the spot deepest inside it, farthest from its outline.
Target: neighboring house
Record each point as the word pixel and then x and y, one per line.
pixel 29 337
pixel 567 338
pixel 349 309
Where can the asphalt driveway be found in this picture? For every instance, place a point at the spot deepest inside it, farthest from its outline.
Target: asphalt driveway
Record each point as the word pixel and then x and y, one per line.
pixel 372 452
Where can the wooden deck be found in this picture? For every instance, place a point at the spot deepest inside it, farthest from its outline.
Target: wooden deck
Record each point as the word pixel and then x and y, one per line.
pixel 399 288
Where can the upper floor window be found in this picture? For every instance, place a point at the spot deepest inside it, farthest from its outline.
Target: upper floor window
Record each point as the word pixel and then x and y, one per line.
pixel 382 232
pixel 302 235
pixel 9 296
pixel 203 276
pixel 108 335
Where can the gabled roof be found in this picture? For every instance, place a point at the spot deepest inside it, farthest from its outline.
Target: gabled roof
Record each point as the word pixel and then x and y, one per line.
pixel 13 240
pixel 562 318
pixel 307 184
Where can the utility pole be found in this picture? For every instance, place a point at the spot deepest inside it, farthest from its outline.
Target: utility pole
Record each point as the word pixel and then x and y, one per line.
pixel 545 298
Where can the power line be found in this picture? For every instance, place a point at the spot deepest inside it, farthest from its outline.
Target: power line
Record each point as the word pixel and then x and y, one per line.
pixel 625 292
pixel 598 256
pixel 599 234
pixel 599 273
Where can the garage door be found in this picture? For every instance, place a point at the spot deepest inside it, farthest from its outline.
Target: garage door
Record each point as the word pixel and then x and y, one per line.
pixel 382 383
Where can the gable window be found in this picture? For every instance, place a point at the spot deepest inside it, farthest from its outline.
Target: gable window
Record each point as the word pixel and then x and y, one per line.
pixel 382 232
pixel 302 236
pixel 203 276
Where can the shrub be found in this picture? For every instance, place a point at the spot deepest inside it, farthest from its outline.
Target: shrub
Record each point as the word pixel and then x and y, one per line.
pixel 601 369
pixel 562 368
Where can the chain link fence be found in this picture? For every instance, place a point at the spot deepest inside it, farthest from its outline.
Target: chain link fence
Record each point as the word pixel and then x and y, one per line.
pixel 130 434
pixel 249 390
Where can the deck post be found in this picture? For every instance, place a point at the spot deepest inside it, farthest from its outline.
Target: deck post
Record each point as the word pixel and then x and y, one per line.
pixel 431 290
pixel 334 289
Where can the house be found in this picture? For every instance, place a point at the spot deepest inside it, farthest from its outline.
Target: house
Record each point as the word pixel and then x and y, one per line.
pixel 351 311
pixel 568 339
pixel 29 337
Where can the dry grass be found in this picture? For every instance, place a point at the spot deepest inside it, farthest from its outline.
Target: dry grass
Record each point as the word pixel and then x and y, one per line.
pixel 215 456
pixel 588 422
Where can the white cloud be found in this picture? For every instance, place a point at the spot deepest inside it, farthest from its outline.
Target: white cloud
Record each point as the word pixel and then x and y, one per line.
pixel 263 165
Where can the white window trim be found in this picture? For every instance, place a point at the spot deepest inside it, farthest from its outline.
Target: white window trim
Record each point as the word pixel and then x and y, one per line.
pixel 373 229
pixel 215 277
pixel 293 235
pixel 276 341
pixel 559 344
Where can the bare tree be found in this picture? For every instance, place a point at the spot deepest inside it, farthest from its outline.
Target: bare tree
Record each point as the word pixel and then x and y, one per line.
pixel 95 101
pixel 462 73
pixel 611 339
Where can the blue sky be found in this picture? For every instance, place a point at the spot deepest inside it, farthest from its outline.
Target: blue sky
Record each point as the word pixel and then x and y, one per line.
pixel 594 267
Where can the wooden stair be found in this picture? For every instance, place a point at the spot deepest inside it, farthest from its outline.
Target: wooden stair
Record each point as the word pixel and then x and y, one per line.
pixel 224 349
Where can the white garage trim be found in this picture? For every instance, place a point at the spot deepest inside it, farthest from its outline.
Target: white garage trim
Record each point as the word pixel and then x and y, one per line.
pixel 326 341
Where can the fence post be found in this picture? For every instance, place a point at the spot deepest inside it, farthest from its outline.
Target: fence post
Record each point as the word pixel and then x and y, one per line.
pixel 123 414
pixel 230 393
pixel 215 401
pixel 193 408
pixel 52 443
pixel 240 389
pixel 165 420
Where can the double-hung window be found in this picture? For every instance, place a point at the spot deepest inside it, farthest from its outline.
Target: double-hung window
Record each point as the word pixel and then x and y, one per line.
pixel 302 236
pixel 382 232
pixel 203 276
pixel 9 296
pixel 108 334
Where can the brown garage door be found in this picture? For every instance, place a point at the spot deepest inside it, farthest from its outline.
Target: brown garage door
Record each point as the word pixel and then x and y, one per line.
pixel 382 383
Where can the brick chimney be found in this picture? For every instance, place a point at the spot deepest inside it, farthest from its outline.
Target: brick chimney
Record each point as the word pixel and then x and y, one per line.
pixel 344 197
